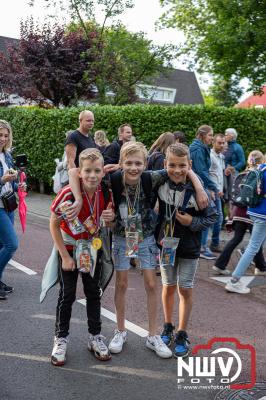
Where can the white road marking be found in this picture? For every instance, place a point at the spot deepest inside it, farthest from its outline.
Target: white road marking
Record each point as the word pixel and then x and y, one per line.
pixel 22 267
pixel 30 357
pixel 141 372
pixel 106 313
pixel 129 325
pixel 129 288
pixel 52 318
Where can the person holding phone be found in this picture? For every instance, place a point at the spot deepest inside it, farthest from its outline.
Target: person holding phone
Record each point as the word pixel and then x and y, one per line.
pixel 8 183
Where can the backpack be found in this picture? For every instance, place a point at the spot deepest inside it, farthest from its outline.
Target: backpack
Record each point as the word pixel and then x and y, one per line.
pixel 60 177
pixel 118 187
pixel 250 189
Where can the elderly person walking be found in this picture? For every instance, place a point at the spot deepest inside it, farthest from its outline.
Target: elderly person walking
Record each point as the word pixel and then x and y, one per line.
pixel 234 155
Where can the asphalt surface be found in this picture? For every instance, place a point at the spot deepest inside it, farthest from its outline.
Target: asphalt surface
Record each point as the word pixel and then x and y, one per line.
pixel 137 373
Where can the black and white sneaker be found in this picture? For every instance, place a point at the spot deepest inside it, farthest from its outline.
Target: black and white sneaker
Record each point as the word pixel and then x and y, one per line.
pixel 6 288
pixel 3 295
pixel 96 344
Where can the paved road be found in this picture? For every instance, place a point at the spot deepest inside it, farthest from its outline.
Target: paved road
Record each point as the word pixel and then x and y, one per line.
pixel 27 332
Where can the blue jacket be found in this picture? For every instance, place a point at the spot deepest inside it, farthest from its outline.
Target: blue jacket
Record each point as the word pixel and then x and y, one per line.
pixel 201 162
pixel 10 164
pixel 235 156
pixel 260 209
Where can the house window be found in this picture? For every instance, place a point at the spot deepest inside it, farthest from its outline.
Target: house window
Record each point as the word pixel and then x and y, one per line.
pixel 156 93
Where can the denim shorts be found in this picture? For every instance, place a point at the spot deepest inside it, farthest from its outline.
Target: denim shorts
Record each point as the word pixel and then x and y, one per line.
pixel 182 273
pixel 147 254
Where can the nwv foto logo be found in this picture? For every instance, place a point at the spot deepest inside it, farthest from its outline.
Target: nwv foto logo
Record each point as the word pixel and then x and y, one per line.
pixel 222 365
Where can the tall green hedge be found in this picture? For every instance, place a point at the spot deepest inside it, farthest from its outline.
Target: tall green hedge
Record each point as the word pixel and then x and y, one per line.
pixel 40 133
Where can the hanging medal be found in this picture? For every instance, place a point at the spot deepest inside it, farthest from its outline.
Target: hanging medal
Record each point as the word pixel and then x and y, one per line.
pixel 90 223
pixel 132 230
pixel 96 243
pixel 169 243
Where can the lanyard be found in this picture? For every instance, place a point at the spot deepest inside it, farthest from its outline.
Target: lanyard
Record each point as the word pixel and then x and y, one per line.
pixel 170 214
pixel 95 208
pixel 132 209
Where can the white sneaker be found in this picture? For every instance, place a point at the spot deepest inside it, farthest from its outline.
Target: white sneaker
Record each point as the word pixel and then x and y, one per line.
pixel 237 287
pixel 116 344
pixel 156 344
pixel 97 345
pixel 221 271
pixel 58 356
pixel 259 272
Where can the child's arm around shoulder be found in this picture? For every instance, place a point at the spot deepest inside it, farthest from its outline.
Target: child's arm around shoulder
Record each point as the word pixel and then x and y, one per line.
pixel 206 218
pixel 68 263
pixel 202 198
pixel 74 183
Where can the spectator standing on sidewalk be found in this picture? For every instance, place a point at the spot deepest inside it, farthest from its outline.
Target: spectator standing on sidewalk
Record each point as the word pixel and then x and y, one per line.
pixel 80 139
pixel 8 182
pixel 217 176
pixel 158 150
pixel 201 163
pixel 180 137
pixel 234 155
pixel 234 160
pixel 101 141
pixel 258 236
pixel 112 153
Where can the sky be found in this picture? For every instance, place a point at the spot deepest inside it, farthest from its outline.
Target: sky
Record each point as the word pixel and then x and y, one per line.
pixel 141 18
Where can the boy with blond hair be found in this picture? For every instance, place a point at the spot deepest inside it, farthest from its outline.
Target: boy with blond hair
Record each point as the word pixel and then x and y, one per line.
pixel 183 226
pixel 76 242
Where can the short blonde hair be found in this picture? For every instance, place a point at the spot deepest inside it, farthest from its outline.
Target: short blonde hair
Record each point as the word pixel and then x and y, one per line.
pixel 83 113
pixel 5 125
pixel 130 148
pixel 179 150
pixel 90 154
pixel 101 139
pixel 256 157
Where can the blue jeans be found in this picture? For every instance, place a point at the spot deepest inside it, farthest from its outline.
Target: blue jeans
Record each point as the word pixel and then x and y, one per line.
pixel 216 227
pixel 257 238
pixel 8 238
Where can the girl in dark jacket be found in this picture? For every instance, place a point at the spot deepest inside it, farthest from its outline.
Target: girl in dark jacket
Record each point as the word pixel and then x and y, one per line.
pixel 158 150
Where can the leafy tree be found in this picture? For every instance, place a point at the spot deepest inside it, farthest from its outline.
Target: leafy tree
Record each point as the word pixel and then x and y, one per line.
pixel 126 57
pixel 51 64
pixel 225 92
pixel 225 38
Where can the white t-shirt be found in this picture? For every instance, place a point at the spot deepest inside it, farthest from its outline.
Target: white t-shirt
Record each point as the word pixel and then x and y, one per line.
pixel 5 188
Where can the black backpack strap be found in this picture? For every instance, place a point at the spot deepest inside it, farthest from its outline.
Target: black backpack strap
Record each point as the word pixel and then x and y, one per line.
pixel 146 182
pixel 106 192
pixel 188 194
pixel 117 187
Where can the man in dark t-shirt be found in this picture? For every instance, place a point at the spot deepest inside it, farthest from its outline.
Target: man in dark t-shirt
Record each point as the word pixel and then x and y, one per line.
pixel 80 139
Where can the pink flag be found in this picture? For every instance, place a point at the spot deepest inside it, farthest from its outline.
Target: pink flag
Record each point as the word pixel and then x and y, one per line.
pixel 22 206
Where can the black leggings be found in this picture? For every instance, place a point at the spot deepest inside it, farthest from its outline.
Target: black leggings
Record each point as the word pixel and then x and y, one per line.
pixel 240 230
pixel 67 296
